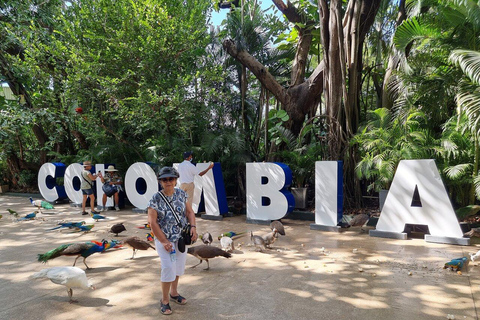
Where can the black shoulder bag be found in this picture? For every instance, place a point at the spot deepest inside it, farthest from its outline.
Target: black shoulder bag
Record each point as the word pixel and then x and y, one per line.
pixel 185 236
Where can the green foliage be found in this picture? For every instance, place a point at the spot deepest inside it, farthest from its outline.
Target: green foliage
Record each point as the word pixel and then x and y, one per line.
pixel 385 140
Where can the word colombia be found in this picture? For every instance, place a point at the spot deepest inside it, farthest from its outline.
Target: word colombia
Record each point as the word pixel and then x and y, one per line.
pixel 417 195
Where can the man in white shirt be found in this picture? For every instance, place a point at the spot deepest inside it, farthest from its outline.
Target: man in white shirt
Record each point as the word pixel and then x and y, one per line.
pixel 187 172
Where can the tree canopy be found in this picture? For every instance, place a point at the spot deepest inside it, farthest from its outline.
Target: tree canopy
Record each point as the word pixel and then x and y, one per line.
pixel 369 82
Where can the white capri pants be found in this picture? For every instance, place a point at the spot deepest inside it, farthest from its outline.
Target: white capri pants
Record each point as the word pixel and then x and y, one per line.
pixel 170 269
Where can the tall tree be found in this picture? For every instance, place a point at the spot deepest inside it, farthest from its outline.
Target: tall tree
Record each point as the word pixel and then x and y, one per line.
pixel 342 42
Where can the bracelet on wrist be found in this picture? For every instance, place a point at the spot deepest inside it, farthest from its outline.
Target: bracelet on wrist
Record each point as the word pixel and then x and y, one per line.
pixel 193 226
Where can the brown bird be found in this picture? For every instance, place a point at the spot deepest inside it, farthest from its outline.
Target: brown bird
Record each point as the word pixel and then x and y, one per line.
pixel 204 252
pixel 270 237
pixel 137 244
pixel 257 241
pixel 117 228
pixel 278 226
pixel 474 232
pixel 359 220
pixel 206 238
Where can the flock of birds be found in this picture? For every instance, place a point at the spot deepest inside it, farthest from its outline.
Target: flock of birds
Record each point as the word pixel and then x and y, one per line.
pixel 74 277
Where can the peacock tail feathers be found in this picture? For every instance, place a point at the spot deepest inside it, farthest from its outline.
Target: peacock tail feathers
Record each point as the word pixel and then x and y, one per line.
pixel 52 254
pixel 47 205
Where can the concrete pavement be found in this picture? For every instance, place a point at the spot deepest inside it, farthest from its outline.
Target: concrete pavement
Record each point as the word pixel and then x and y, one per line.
pixel 307 275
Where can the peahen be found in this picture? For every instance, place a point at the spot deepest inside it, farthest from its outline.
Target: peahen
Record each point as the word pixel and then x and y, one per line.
pixel 84 249
pixel 41 204
pixel 70 277
pixel 277 225
pixel 204 252
pixel 137 244
pixel 117 228
pixel 206 238
pixel 257 241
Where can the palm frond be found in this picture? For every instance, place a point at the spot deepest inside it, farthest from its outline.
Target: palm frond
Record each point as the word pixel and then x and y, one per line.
pixel 469 62
pixel 413 29
pixel 458 170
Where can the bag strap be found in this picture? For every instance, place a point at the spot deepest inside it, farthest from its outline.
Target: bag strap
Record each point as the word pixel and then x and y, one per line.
pixel 91 185
pixel 171 208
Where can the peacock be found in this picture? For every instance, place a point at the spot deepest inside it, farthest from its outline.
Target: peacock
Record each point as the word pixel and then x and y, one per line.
pixel 70 277
pixel 84 249
pixel 111 244
pixel 227 244
pixel 230 234
pixel 41 204
pixel 69 225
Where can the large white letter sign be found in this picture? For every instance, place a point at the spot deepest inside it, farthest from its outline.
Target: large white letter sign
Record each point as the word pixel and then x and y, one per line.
pixel 47 183
pixel 267 194
pixel 328 195
pixel 213 188
pixel 140 184
pixel 73 181
pixel 418 196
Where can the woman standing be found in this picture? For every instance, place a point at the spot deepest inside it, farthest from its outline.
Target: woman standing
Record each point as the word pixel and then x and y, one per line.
pixel 167 233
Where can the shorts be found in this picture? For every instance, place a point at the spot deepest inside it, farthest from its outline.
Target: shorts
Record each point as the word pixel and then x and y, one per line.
pixel 87 191
pixel 170 269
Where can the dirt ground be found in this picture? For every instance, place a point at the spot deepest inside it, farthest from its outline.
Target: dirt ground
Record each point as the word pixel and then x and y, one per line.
pixel 307 274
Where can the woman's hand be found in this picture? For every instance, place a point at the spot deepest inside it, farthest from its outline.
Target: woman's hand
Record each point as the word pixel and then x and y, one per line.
pixel 193 233
pixel 168 246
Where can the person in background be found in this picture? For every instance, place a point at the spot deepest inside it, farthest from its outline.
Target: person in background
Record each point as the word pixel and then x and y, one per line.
pixel 87 186
pixel 188 171
pixel 167 232
pixel 113 178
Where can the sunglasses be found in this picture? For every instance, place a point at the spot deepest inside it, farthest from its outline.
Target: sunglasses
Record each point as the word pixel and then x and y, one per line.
pixel 168 179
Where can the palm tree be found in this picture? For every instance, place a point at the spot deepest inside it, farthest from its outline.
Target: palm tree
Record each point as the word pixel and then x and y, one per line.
pixel 468 102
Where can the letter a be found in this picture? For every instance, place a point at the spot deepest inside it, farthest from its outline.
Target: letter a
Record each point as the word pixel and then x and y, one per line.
pixel 418 196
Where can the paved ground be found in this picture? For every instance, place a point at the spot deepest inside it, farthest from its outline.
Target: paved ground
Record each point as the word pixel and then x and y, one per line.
pixel 307 275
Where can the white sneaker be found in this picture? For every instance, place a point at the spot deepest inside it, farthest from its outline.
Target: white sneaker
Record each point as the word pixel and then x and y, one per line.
pixel 117 208
pixel 104 209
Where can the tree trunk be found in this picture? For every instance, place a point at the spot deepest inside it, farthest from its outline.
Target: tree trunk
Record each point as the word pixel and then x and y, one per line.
pixel 42 139
pixel 393 61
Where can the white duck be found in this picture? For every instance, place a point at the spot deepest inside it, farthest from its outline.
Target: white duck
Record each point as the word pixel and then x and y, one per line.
pixel 70 277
